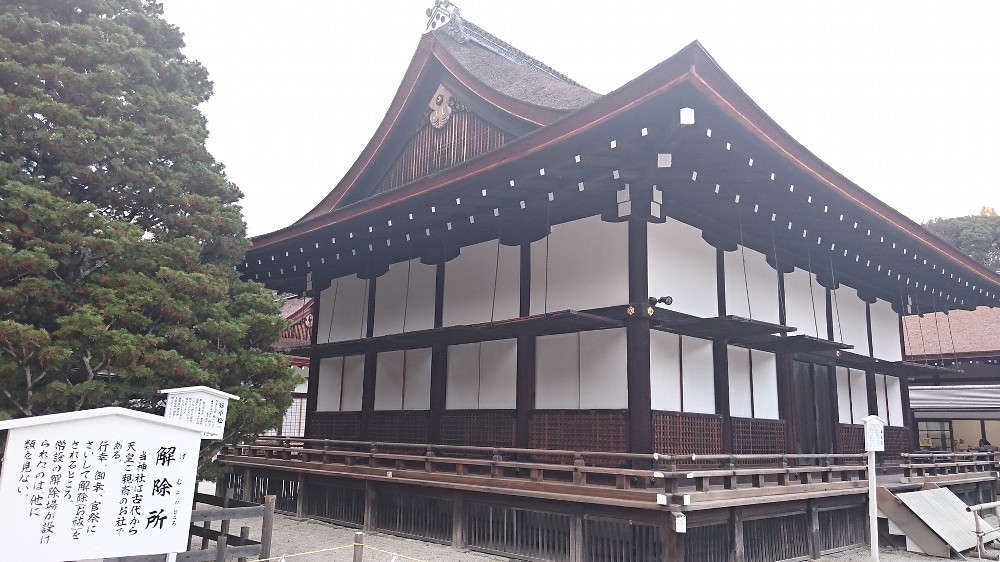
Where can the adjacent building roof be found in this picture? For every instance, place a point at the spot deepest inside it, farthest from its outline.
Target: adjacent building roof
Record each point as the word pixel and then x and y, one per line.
pixel 959 333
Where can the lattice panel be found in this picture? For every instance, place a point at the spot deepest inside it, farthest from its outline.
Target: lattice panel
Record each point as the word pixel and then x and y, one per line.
pixel 344 426
pixel 414 516
pixel 580 430
pixel 842 528
pixel 335 503
pixel 897 440
pixel 776 538
pixel 478 428
pixel 709 543
pixel 679 433
pixel 852 439
pixel 754 436
pixel 618 540
pixel 398 427
pixel 528 534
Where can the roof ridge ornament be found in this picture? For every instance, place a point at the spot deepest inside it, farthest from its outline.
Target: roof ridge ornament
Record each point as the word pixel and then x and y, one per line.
pixel 446 16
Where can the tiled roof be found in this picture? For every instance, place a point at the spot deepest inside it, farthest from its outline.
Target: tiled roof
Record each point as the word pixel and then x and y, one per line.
pixel 958 332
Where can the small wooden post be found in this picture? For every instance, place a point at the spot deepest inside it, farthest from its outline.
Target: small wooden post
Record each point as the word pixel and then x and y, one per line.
pixel 221 544
pixel 359 546
pixel 369 522
pixel 576 544
pixel 267 527
pixel 244 535
pixel 736 523
pixel 204 536
pixel 815 544
pixel 300 497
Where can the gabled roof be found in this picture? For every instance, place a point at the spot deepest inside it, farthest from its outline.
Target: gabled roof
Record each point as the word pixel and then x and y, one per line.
pixel 689 77
pixel 506 87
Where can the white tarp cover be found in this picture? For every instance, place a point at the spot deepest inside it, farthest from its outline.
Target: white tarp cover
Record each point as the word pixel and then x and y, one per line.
pixel 955 398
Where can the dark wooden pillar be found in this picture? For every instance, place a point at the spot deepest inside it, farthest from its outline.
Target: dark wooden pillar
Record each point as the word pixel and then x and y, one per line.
pixel 371 362
pixel 439 363
pixel 312 388
pixel 637 339
pixel 720 359
pixel 525 383
pixel 872 390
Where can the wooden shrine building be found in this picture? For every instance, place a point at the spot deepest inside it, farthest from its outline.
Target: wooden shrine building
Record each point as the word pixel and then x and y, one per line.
pixel 554 324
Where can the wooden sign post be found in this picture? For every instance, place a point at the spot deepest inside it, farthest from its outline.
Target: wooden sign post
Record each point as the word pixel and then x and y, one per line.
pixel 100 483
pixel 874 441
pixel 199 405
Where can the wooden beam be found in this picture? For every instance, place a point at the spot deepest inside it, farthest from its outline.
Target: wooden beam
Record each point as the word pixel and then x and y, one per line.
pixel 312 388
pixel 720 360
pixel 439 363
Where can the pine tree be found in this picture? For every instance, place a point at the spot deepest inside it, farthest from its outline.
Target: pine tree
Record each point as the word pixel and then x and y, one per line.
pixel 119 232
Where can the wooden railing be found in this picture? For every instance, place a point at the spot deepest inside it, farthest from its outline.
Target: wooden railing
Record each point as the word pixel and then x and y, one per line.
pixel 922 465
pixel 620 478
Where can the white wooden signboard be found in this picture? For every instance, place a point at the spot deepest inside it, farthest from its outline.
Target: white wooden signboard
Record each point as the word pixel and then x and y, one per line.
pixel 97 484
pixel 201 406
pixel 874 433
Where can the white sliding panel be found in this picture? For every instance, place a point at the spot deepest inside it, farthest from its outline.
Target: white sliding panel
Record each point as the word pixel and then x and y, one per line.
pixel 354 383
pixel 557 372
pixel 603 383
pixel 765 385
pixel 665 371
pixel 699 376
pixel 892 389
pixel 346 300
pixel 463 377
pixel 469 284
pixel 883 412
pixel 760 282
pixel 404 298
pixel 587 266
pixel 330 378
pixel 389 380
pixel 801 297
pixel 885 331
pixel 859 395
pixel 682 265
pixel 498 376
pixel 740 391
pixel 850 323
pixel 417 380
pixel 844 394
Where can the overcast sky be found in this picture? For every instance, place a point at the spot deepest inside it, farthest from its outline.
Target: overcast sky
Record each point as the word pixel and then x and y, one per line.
pixel 902 97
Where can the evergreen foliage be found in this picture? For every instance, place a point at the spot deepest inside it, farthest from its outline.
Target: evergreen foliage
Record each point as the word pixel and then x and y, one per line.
pixel 978 236
pixel 119 232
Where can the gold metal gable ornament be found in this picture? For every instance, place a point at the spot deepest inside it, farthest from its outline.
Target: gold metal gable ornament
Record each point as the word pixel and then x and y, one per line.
pixel 442 105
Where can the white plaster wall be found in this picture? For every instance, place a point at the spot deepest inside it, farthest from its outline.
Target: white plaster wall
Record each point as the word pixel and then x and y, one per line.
pixel 587 266
pixel 740 395
pixel 463 377
pixel 765 384
pixel 880 393
pixel 354 383
pixel 799 306
pixel 859 394
pixel 328 391
pixel 346 300
pixel 849 322
pixel 892 388
pixel 498 375
pixel 389 381
pixel 885 331
pixel 469 283
pixel 665 371
pixel 699 385
pixel 682 265
pixel 405 294
pixel 603 383
pixel 762 281
pixel 557 372
pixel 417 383
pixel 844 394
pixel 482 376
